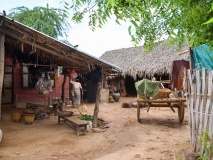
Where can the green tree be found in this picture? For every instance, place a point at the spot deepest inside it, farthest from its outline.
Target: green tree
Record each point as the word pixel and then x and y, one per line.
pixel 50 21
pixel 151 20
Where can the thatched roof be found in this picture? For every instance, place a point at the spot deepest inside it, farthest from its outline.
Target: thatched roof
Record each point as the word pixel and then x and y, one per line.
pixel 157 61
pixel 42 49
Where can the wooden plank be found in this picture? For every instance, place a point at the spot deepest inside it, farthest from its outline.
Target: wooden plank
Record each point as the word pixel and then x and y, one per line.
pixel 159 105
pixel 206 115
pixel 197 103
pixel 192 109
pixel 211 132
pixel 75 120
pixel 189 106
pixel 198 97
pixel 211 109
pixel 2 55
pixel 203 103
pixel 188 74
pixel 166 100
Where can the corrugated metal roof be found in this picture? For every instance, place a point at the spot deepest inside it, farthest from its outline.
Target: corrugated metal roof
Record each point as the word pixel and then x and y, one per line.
pixel 12 26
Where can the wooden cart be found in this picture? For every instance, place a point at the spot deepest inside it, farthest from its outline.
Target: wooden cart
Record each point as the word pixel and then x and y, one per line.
pixel 165 102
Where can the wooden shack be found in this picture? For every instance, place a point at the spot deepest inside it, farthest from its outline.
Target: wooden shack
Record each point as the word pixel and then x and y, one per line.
pixel 25 54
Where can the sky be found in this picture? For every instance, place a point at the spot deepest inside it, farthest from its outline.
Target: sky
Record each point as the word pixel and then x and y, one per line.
pixel 111 37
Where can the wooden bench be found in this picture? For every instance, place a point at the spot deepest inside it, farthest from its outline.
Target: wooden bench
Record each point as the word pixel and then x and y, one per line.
pixel 79 125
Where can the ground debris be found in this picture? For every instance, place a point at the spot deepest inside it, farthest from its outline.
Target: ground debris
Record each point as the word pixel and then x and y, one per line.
pixel 98 130
pixel 190 155
pixel 102 123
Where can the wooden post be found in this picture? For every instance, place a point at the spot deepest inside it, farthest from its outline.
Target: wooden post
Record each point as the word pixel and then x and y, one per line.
pixel 2 55
pixel 96 110
pixel 69 87
pixel 191 62
pixel 63 88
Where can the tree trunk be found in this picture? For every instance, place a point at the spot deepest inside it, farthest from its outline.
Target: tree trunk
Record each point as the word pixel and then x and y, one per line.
pixel 2 55
pixel 96 110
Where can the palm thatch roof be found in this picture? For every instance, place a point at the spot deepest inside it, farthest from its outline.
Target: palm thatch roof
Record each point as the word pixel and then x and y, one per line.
pixel 133 61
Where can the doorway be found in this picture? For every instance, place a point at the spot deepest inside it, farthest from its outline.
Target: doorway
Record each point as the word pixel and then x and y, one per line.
pixel 7 90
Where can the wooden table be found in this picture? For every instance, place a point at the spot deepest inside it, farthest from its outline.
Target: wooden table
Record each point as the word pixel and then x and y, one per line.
pixel 79 125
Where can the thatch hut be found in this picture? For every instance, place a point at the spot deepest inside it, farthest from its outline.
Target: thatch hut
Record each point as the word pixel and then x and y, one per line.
pixel 136 64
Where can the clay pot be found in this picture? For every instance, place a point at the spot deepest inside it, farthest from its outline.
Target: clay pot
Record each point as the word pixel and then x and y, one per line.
pixel 16 116
pixel 29 118
pixel 116 96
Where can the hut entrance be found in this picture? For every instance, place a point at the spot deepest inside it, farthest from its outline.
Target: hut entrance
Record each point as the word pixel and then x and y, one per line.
pixel 130 83
pixel 130 87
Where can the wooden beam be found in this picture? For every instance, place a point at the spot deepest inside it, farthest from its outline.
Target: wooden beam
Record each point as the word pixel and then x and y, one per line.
pixel 43 48
pixel 165 100
pixel 2 55
pixel 43 65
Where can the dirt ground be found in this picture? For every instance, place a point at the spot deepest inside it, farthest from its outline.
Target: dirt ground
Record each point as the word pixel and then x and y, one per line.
pixel 159 136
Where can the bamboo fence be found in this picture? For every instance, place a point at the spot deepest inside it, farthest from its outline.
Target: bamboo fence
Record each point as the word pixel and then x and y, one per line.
pixel 200 105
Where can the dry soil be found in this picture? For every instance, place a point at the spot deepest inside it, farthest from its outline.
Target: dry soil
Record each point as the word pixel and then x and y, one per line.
pixel 159 136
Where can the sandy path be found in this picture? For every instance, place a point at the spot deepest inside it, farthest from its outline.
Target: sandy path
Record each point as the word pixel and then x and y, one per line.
pixel 158 136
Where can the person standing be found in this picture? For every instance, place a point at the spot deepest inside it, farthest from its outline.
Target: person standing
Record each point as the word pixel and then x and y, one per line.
pixel 76 92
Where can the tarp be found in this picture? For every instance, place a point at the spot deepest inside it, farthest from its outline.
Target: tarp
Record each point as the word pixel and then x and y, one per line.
pixel 147 87
pixel 203 57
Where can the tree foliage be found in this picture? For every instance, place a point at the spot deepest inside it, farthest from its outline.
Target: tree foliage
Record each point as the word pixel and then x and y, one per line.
pixel 151 20
pixel 50 21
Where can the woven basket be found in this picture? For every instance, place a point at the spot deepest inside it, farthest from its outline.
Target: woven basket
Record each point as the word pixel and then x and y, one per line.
pixel 16 116
pixel 29 118
pixel 164 93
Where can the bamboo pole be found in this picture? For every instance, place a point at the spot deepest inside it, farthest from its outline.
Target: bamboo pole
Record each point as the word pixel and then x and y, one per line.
pixel 2 55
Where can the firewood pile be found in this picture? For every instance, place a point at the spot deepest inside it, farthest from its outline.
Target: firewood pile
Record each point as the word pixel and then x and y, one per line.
pixel 41 111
